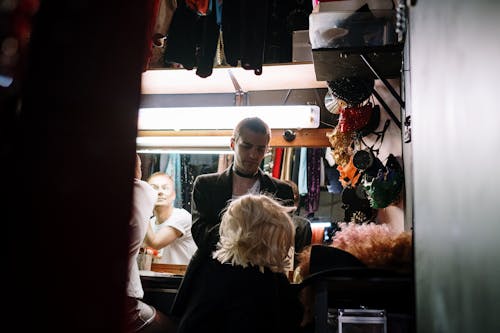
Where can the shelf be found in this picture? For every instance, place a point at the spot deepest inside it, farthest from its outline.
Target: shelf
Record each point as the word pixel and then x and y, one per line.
pixel 273 77
pixel 312 138
pixel 331 64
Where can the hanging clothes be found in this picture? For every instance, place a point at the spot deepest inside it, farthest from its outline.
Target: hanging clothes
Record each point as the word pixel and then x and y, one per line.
pixel 333 184
pixel 225 161
pixel 244 28
pixel 295 165
pixel 200 7
pixel 322 173
pixel 153 9
pixel 171 165
pixel 278 156
pixel 192 40
pixel 149 164
pixel 314 156
pixel 302 181
pixel 286 165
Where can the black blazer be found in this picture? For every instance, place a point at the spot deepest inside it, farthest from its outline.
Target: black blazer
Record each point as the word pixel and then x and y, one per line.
pixel 211 194
pixel 228 299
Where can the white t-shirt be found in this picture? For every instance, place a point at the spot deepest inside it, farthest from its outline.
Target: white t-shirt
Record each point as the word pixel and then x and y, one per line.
pixel 181 250
pixel 142 208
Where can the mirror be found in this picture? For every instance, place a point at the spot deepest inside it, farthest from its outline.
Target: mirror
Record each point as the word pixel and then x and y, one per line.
pixel 185 166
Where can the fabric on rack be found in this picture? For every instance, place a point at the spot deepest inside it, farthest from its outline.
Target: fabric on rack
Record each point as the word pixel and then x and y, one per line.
pixel 162 25
pixel 224 161
pixel 198 6
pixel 277 162
pixel 218 11
pixel 329 156
pixel 164 17
pixel 244 27
pixel 322 173
pixel 286 165
pixel 181 38
pixel 332 174
pixel 267 162
pixel 163 162
pixel 153 9
pixel 302 181
pixel 149 164
pixel 314 156
pixel 171 165
pixel 207 48
pixel 192 40
pixel 186 181
pixel 295 165
pixel 284 18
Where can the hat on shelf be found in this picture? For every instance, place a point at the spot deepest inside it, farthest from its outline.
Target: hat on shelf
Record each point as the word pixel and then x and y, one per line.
pixel 352 89
pixel 384 189
pixel 355 118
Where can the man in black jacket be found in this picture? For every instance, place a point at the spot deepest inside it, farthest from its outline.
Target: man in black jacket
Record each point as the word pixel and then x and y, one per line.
pixel 212 192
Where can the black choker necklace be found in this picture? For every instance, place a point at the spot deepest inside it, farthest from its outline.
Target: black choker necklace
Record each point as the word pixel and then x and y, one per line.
pixel 244 175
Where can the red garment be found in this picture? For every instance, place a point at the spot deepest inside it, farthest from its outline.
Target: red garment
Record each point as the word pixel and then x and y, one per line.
pixel 355 118
pixel 200 7
pixel 277 162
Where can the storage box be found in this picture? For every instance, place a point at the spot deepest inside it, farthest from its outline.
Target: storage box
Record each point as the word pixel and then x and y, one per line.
pixel 362 321
pixel 301 46
pixel 344 29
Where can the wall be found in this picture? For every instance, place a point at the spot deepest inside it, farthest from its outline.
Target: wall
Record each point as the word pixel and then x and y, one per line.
pixel 455 68
pixel 392 144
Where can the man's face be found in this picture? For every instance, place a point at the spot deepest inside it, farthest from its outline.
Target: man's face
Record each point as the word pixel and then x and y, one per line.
pixel 249 150
pixel 165 188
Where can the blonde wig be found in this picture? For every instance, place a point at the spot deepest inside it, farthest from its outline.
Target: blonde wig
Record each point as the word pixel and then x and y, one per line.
pixel 256 230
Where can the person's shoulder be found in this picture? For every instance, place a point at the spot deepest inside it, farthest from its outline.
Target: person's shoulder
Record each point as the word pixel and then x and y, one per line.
pixel 182 212
pixel 301 221
pixel 141 185
pixel 214 177
pixel 206 177
pixel 282 185
pixel 275 181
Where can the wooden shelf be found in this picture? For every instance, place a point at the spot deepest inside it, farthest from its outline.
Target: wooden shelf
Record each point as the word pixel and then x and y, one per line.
pixel 311 138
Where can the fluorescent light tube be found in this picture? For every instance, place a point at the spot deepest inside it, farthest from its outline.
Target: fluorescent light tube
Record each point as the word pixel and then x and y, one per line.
pixel 223 118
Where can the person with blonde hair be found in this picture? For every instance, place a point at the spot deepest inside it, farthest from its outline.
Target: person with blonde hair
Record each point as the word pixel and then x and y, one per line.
pixel 244 287
pixel 255 231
